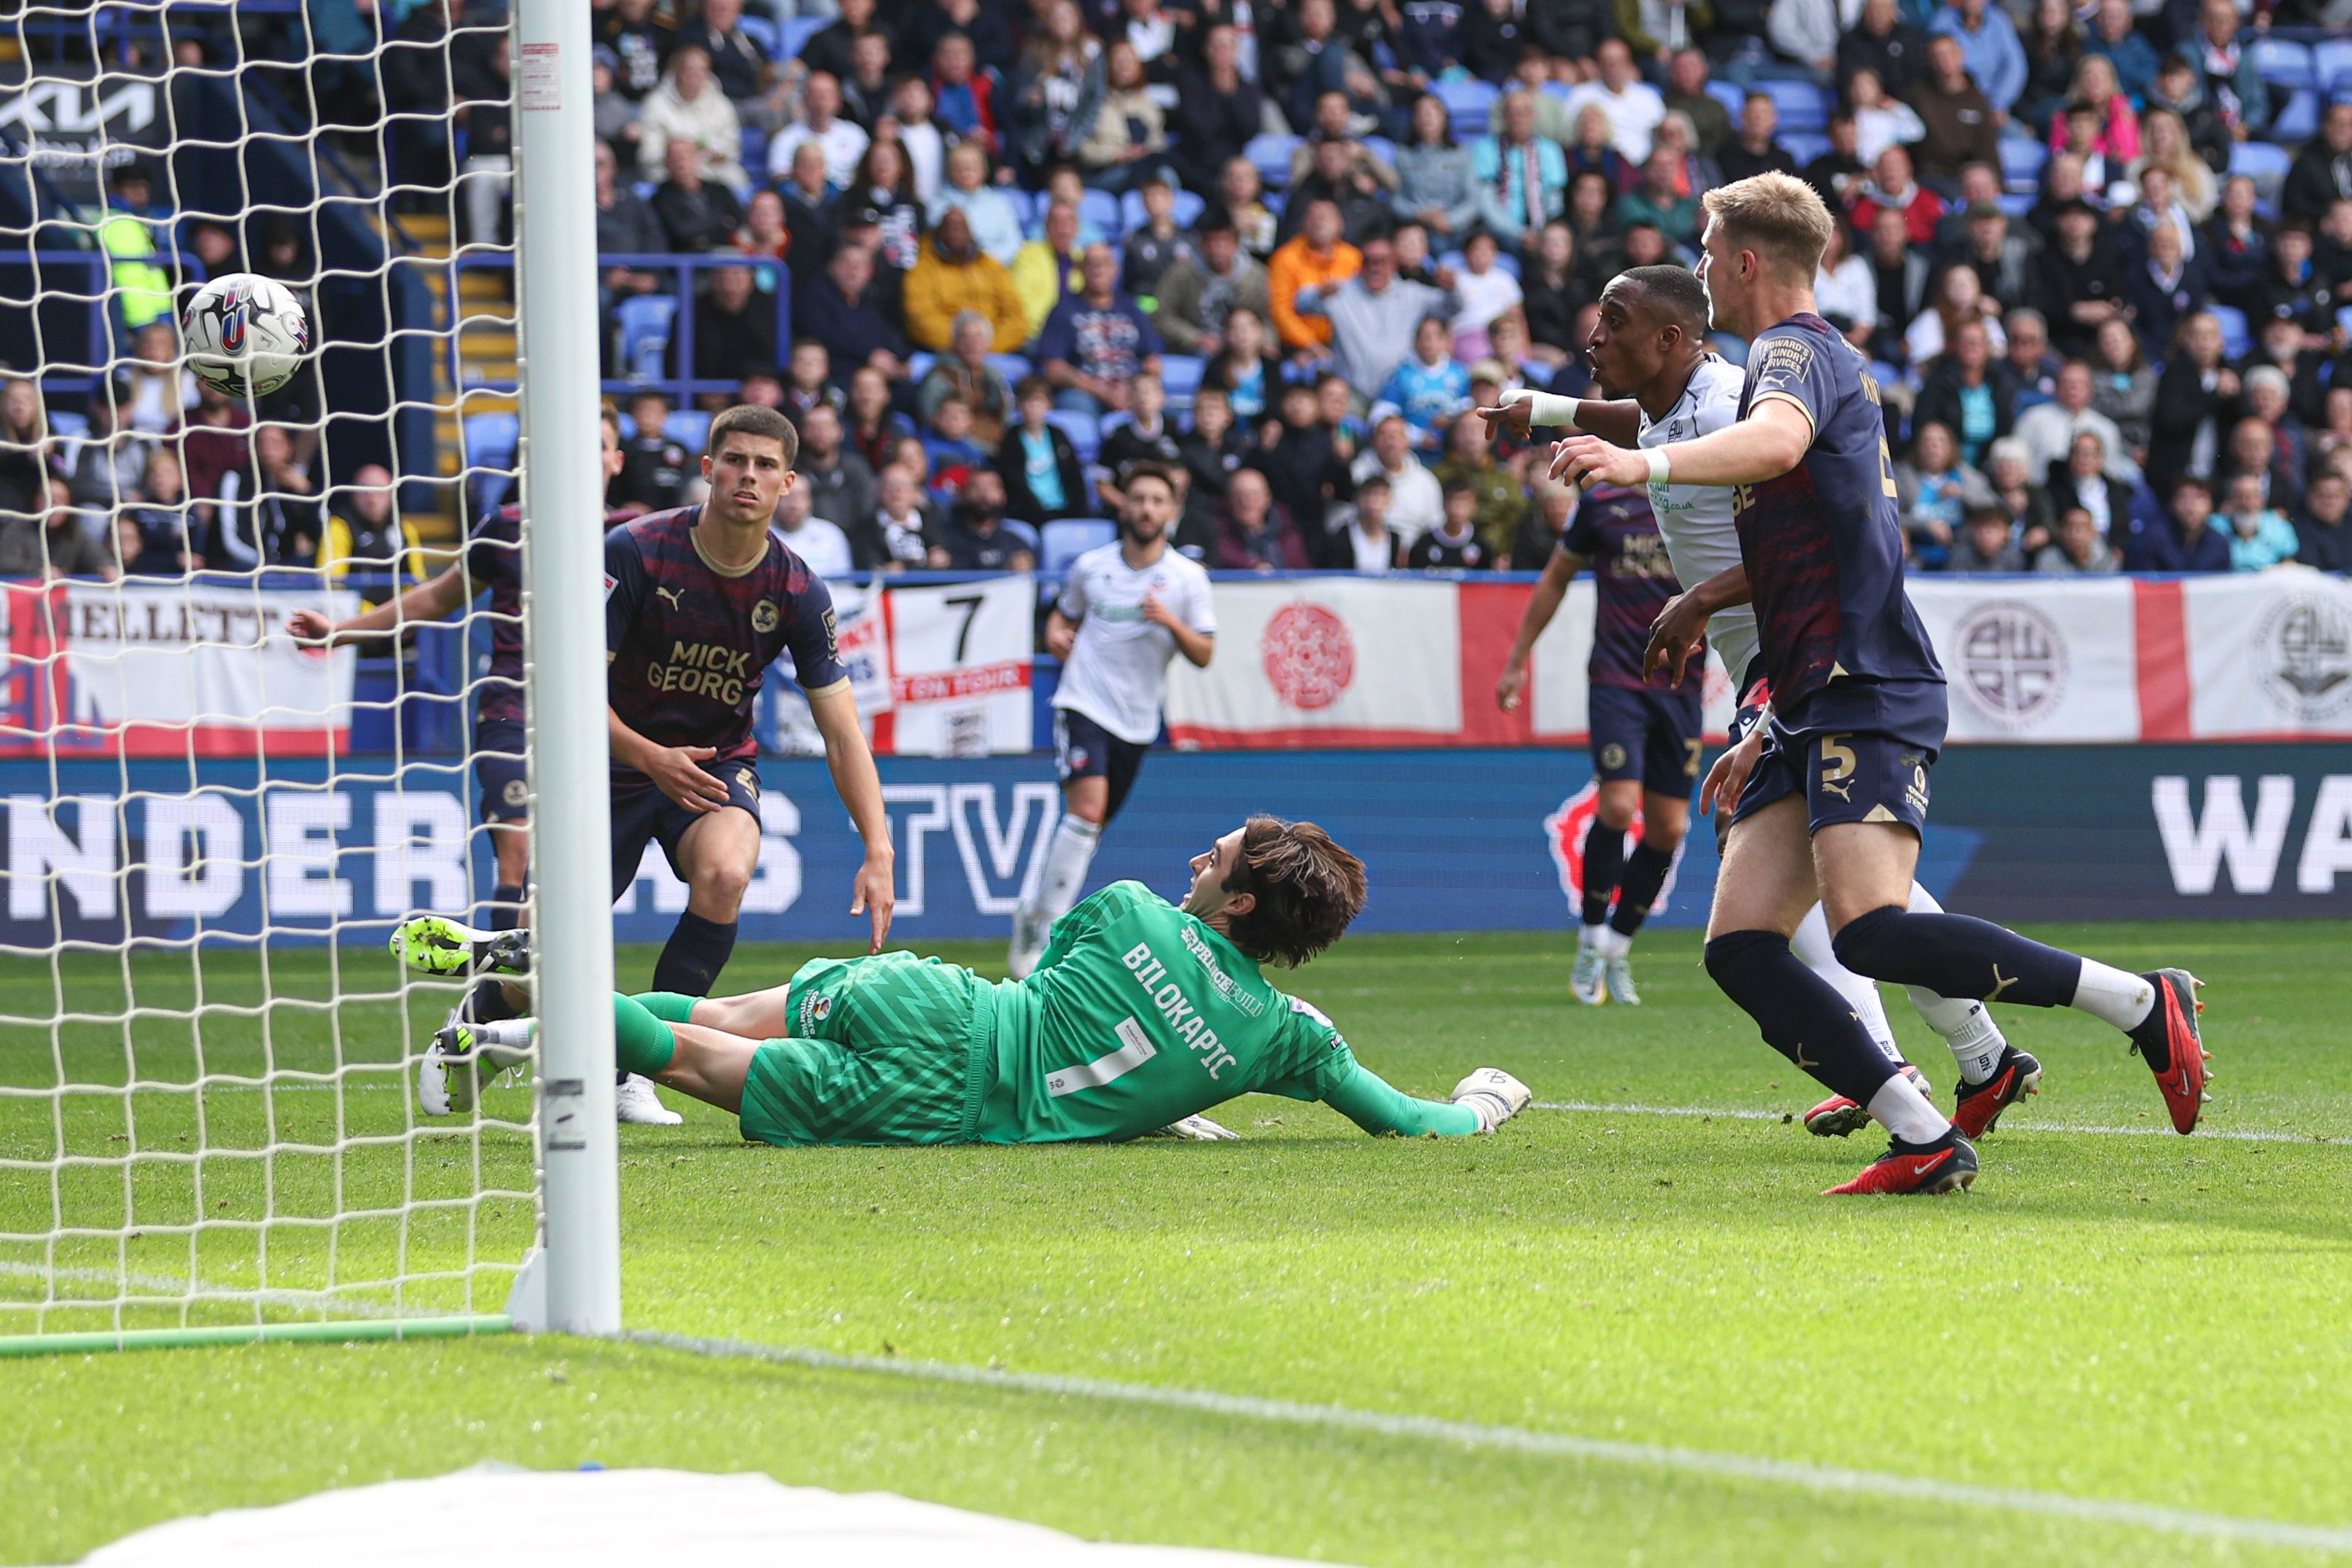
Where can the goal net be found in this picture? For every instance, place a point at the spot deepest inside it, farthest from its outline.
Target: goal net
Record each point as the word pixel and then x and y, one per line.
pixel 208 1122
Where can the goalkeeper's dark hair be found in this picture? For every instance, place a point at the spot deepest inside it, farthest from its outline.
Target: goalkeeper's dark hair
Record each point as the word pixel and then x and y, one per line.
pixel 1307 889
pixel 751 419
pixel 1675 295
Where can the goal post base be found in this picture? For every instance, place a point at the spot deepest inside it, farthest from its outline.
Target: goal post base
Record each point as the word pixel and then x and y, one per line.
pixel 527 1302
pixel 257 1333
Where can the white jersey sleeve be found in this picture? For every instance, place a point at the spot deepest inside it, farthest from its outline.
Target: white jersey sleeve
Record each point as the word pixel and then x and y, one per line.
pixel 1696 520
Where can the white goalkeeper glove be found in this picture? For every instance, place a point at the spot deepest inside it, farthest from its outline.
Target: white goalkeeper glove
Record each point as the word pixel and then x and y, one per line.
pixel 1494 1094
pixel 1197 1129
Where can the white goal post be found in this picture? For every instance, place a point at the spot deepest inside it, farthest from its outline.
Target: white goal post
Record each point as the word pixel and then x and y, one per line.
pixel 209 1129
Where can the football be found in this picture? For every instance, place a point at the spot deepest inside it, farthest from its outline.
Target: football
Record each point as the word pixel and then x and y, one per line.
pixel 246 334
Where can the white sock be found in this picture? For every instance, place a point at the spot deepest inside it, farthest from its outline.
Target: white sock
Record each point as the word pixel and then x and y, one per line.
pixel 2122 1000
pixel 1902 1110
pixel 1590 935
pixel 1611 942
pixel 1811 946
pixel 1063 869
pixel 513 1033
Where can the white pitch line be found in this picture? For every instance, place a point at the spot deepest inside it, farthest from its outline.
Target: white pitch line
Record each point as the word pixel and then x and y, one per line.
pixel 1709 1112
pixel 1551 1445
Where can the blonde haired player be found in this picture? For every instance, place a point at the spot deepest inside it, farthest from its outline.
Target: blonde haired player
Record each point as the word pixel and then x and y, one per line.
pixel 1831 789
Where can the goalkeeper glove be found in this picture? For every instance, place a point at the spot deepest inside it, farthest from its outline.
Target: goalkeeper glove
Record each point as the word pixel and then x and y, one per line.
pixel 1198 1129
pixel 1494 1094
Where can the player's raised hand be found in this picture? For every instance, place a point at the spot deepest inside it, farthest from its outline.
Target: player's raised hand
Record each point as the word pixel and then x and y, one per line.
pixel 1728 780
pixel 308 626
pixel 1583 456
pixel 1677 637
pixel 876 893
pixel 1511 417
pixel 1512 685
pixel 676 772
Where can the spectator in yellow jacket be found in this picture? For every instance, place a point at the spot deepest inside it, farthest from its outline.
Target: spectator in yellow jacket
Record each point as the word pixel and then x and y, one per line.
pixel 1048 268
pixel 952 275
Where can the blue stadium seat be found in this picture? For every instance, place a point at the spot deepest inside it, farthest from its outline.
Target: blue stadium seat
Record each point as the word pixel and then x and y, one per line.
pixel 1732 95
pixel 762 32
pixel 2264 163
pixel 72 426
pixel 644 333
pixel 1270 155
pixel 1181 374
pixel 690 428
pixel 1100 208
pixel 1012 367
pixel 798 32
pixel 1022 531
pixel 2283 62
pixel 1026 208
pixel 919 365
pixel 2331 62
pixel 490 440
pixel 2299 120
pixel 1084 430
pixel 1071 538
pixel 644 189
pixel 1469 101
pixel 754 150
pixel 1131 215
pixel 1802 105
pixel 1381 148
pixel 1804 146
pixel 2017 204
pixel 2235 338
pixel 2020 163
pixel 2343 319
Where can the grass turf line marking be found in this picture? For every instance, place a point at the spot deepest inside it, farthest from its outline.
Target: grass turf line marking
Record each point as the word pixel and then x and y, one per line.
pixel 1525 1440
pixel 1712 1112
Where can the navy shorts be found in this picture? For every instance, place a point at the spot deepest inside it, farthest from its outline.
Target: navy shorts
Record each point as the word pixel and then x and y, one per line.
pixel 644 815
pixel 498 770
pixel 1652 736
pixel 1845 776
pixel 1085 749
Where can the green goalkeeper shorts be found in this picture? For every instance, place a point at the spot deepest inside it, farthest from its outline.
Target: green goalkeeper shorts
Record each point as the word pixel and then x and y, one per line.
pixel 888 1050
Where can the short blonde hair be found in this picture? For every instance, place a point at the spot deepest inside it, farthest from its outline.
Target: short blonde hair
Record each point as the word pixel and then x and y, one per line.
pixel 1778 216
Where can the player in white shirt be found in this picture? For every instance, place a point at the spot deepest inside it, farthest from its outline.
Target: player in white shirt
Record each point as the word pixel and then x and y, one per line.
pixel 1126 609
pixel 1649 352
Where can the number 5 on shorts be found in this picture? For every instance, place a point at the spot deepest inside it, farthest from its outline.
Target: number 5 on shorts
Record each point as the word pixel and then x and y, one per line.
pixel 1135 1049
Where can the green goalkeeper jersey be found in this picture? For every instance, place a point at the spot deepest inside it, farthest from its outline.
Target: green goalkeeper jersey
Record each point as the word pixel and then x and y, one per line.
pixel 1139 1015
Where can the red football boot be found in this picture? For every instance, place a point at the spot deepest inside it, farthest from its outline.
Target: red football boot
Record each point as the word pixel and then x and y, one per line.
pixel 2170 1041
pixel 1947 1165
pixel 2015 1076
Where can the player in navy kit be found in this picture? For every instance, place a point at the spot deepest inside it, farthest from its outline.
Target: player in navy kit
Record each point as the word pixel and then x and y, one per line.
pixel 1833 790
pixel 1644 729
pixel 697 604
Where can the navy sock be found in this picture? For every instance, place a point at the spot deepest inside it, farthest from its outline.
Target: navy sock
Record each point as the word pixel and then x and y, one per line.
pixel 1801 1015
pixel 696 952
pixel 1605 858
pixel 1646 872
pixel 1958 955
pixel 505 907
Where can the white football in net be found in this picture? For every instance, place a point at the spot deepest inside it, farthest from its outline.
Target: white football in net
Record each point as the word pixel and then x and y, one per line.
pixel 246 334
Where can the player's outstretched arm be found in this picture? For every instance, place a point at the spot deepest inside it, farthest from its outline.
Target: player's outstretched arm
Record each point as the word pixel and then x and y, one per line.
pixel 1482 1102
pixel 428 600
pixel 1542 605
pixel 1770 442
pixel 1524 410
pixel 875 894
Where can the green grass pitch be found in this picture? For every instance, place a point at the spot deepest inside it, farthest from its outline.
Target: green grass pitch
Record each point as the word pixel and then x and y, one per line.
pixel 2145 1318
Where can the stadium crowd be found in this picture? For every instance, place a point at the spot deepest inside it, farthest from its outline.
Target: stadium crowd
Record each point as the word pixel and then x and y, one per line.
pixel 2097 255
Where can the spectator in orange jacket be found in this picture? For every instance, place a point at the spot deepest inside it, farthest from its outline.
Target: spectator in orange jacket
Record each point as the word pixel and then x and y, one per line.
pixel 1315 258
pixel 952 275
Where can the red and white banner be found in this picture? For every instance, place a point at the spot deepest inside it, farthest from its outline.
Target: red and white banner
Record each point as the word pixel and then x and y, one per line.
pixel 168 669
pixel 1414 662
pixel 959 668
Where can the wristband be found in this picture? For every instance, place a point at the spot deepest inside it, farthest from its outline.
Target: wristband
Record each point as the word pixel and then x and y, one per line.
pixel 1545 408
pixel 1658 464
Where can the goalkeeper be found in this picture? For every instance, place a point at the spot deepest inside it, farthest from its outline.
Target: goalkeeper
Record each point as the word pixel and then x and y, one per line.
pixel 1138 1017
